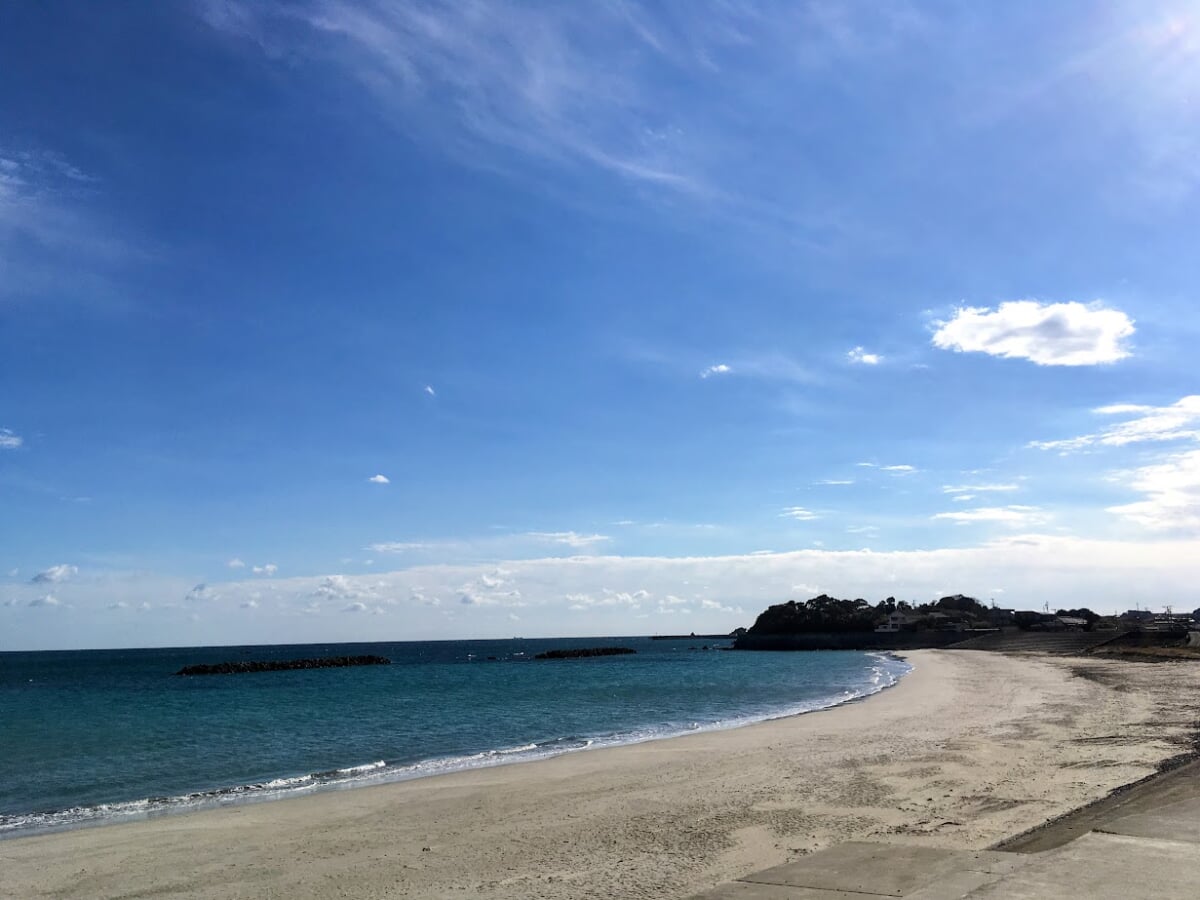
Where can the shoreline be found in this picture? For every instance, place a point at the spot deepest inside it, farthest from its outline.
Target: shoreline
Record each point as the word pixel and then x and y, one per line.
pixel 379 773
pixel 966 750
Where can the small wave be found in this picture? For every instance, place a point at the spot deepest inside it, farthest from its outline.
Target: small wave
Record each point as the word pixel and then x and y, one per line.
pixel 366 767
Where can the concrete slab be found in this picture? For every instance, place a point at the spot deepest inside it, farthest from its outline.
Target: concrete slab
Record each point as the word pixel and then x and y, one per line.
pixel 744 890
pixel 956 886
pixel 887 870
pixel 1104 867
pixel 1174 822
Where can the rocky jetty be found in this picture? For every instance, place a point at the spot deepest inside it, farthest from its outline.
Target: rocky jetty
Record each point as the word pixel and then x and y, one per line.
pixel 584 652
pixel 283 665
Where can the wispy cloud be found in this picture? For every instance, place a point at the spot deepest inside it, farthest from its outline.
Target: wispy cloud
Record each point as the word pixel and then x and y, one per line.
pixel 651 98
pixel 1048 334
pixel 48 217
pixel 718 369
pixel 799 513
pixel 977 488
pixel 9 440
pixel 429 390
pixel 1179 421
pixel 1172 494
pixel 569 538
pixel 834 481
pixel 1004 515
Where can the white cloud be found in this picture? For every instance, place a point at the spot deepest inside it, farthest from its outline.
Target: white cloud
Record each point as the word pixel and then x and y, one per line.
pixel 120 604
pixel 45 600
pixel 268 569
pixel 249 604
pixel 1006 515
pixel 799 513
pixel 1051 334
pixel 718 369
pixel 236 563
pixel 10 440
pixel 379 479
pixel 1172 489
pixel 861 357
pixel 899 470
pixel 977 488
pixel 54 574
pixel 401 546
pixel 834 481
pixel 430 391
pixel 1179 421
pixel 568 538
pixel 355 607
pixel 1033 568
pixel 962 498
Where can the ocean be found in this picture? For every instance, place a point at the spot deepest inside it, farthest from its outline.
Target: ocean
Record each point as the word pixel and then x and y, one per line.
pixel 94 736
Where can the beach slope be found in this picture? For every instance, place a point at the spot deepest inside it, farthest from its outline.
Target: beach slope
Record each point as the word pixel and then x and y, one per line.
pixel 968 749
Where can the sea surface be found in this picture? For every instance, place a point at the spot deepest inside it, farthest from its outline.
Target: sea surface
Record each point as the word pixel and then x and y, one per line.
pixel 106 735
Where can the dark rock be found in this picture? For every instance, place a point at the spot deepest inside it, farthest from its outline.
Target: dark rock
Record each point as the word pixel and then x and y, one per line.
pixel 279 665
pixel 584 652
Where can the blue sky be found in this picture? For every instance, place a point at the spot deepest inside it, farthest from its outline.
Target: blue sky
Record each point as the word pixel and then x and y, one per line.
pixel 330 320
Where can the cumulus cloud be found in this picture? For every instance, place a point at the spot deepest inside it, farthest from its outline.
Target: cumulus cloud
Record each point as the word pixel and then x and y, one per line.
pixel 379 479
pixel 251 603
pixel 45 600
pixel 202 593
pixel 10 440
pixel 859 356
pixel 1048 334
pixel 268 569
pixel 1005 515
pixel 236 563
pixel 799 513
pixel 1172 489
pixel 718 369
pixel 54 574
pixel 1142 424
pixel 355 607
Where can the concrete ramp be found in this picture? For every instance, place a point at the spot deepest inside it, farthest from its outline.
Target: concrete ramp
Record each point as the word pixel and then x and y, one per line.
pixel 863 870
pixel 1152 854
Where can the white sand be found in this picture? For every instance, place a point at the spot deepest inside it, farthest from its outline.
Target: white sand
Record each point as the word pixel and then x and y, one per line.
pixel 968 749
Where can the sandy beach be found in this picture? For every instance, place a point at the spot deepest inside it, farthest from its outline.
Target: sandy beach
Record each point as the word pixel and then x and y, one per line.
pixel 968 749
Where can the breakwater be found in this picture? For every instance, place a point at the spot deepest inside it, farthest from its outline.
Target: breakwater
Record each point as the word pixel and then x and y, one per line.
pixel 283 665
pixel 584 652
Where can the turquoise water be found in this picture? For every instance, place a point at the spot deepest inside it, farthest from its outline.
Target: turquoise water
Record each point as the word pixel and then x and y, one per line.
pixel 93 736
